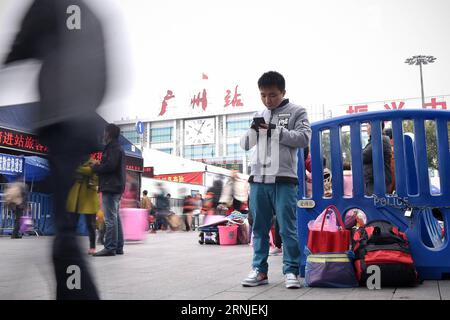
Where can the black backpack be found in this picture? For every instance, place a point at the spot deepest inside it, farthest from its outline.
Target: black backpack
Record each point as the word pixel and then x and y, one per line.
pixel 380 243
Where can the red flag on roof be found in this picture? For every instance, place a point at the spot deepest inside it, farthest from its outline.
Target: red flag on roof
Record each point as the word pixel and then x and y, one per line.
pixel 204 76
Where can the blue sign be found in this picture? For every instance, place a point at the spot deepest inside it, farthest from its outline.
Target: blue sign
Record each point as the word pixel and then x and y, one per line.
pixel 139 127
pixel 11 165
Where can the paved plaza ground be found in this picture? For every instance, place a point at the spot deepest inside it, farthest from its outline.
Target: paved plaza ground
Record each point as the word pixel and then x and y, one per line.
pixel 173 266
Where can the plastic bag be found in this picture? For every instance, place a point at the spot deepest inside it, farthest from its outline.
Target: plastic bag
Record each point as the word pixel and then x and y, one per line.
pixel 355 218
pixel 329 225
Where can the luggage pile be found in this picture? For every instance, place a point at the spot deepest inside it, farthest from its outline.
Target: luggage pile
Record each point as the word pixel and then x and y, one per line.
pixel 226 230
pixel 341 258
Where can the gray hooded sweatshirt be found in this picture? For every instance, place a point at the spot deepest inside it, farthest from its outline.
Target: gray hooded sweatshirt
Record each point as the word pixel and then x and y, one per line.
pixel 274 157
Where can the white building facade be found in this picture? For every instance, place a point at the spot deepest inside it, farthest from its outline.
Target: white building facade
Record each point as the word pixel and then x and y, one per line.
pixel 206 125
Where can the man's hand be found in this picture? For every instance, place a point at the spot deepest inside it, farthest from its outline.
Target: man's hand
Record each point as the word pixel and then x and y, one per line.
pixel 93 162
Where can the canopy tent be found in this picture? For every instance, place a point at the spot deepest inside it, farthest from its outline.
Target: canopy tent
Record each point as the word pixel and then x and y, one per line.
pixel 35 169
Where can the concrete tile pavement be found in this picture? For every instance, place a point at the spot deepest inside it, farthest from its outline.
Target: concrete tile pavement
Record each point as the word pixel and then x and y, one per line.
pixel 173 266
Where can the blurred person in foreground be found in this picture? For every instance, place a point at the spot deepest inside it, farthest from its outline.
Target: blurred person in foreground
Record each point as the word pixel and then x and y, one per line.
pixel 71 84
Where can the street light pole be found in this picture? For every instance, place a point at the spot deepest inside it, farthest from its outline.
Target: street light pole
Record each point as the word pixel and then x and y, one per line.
pixel 419 60
pixel 421 86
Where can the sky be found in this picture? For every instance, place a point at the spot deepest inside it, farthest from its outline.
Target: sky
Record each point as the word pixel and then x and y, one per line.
pixel 330 52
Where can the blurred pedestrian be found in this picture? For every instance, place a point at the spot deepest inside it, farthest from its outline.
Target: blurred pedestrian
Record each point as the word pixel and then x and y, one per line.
pixel 16 200
pixel 162 204
pixel 214 194
pixel 234 192
pixel 71 84
pixel 188 209
pixel 198 204
pixel 146 203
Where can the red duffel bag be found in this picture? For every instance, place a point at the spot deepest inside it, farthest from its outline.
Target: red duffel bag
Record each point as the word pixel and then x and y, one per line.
pixel 321 241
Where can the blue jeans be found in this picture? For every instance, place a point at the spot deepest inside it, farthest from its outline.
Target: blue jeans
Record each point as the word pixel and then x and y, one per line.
pixel 265 199
pixel 114 232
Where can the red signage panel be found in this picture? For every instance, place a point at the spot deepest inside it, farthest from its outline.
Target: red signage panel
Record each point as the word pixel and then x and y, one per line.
pixel 186 177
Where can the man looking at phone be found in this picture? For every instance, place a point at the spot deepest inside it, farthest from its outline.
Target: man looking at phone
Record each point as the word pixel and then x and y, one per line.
pixel 277 132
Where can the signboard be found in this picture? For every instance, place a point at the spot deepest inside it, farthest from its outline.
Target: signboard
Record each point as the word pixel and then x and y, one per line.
pixel 140 127
pixel 134 164
pixel 11 165
pixel 186 177
pixel 15 140
pixel 131 163
pixel 431 102
pixel 149 172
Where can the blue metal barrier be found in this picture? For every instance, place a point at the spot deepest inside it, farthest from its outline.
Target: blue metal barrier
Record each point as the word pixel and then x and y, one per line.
pixel 430 249
pixel 44 218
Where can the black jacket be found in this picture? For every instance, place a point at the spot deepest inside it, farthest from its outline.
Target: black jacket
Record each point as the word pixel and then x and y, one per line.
pixel 111 170
pixel 162 202
pixel 216 189
pixel 368 162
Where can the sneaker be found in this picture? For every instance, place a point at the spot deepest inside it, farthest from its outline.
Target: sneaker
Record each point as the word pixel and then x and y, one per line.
pixel 292 281
pixel 91 251
pixel 255 278
pixel 275 251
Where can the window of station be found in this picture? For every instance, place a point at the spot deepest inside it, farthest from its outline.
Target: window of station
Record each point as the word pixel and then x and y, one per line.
pixel 235 150
pixel 237 128
pixel 161 135
pixel 200 151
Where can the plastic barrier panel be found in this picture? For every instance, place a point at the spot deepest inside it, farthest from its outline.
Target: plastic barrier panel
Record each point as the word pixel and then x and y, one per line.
pixel 417 207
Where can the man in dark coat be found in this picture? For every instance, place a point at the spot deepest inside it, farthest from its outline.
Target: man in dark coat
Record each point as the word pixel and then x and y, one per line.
pixel 368 162
pixel 111 175
pixel 67 37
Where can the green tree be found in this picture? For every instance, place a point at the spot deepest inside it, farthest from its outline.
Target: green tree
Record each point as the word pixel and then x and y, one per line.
pixel 430 137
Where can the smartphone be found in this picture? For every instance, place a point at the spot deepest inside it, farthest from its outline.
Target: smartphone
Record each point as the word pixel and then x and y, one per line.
pixel 258 121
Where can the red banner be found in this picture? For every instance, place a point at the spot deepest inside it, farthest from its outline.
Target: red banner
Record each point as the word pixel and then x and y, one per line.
pixel 186 177
pixel 131 163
